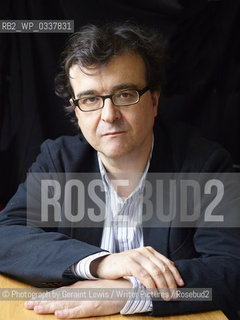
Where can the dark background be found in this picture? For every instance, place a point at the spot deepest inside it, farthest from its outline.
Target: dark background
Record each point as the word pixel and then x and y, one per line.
pixel 203 72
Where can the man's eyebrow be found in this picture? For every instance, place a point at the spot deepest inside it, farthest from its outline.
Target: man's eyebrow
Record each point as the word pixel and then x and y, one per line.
pixel 87 93
pixel 123 86
pixel 118 87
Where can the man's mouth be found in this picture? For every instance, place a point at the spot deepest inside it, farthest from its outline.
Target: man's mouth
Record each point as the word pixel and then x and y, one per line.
pixel 114 133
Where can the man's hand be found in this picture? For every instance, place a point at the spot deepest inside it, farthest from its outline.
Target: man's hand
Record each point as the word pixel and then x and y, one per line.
pixel 81 309
pixel 151 268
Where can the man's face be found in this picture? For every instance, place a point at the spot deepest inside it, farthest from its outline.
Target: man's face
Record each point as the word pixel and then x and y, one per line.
pixel 116 131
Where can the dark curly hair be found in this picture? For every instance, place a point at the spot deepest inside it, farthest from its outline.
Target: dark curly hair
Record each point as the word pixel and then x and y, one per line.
pixel 94 46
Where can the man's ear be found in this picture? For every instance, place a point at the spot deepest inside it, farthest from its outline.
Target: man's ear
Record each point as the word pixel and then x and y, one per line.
pixel 155 99
pixel 73 105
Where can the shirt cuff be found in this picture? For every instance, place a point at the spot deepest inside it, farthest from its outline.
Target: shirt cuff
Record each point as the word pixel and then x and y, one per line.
pixel 140 300
pixel 82 268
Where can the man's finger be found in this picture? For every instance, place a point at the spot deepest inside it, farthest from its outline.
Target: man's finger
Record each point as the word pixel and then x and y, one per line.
pixel 143 275
pixel 169 264
pixel 98 308
pixel 166 271
pixel 31 304
pixel 52 306
pixel 156 274
pixel 151 272
pixel 46 308
pixel 77 312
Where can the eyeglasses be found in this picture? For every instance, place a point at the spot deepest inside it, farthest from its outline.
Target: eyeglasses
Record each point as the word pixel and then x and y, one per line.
pixel 126 97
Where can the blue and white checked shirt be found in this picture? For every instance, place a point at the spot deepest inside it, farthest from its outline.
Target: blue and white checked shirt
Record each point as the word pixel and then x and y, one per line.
pixel 122 231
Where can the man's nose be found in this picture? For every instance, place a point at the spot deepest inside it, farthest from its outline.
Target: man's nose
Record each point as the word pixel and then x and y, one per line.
pixel 110 112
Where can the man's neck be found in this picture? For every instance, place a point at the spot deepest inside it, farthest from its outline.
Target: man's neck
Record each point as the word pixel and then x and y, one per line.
pixel 128 168
pixel 134 162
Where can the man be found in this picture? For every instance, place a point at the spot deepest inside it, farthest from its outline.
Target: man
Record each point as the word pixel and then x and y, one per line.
pixel 112 76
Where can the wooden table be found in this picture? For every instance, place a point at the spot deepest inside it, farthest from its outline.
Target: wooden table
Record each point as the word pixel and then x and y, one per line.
pixel 11 310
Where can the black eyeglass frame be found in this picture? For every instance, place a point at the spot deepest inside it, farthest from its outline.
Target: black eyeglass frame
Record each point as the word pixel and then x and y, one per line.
pixel 110 96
